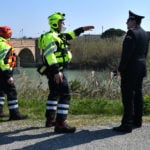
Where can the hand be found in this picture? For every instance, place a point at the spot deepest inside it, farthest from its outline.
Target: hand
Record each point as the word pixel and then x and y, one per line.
pixel 58 78
pixel 118 73
pixel 10 80
pixel 86 28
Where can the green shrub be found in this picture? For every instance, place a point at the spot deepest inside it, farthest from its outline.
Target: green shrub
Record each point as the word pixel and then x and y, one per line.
pixel 146 105
pixel 96 53
pixel 112 33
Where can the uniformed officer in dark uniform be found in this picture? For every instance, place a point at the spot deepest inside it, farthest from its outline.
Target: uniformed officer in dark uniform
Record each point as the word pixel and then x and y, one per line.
pixel 132 69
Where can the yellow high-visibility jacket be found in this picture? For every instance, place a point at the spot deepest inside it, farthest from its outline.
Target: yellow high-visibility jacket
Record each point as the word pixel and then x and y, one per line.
pixel 55 48
pixel 4 49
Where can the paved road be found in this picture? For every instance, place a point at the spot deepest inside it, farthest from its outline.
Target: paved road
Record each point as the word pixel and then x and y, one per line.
pixel 86 138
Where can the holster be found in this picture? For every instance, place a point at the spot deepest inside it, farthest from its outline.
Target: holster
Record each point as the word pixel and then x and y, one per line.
pixel 42 69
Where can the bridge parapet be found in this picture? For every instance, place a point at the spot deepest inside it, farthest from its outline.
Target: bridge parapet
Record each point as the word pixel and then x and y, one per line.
pixel 27 51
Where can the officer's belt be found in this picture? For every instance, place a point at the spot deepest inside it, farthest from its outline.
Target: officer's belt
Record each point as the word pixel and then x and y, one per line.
pixel 141 59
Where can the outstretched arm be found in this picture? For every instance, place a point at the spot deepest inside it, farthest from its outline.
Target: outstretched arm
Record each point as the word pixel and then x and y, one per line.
pixel 87 28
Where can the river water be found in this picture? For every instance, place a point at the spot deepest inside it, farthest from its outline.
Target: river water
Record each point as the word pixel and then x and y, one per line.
pixel 30 75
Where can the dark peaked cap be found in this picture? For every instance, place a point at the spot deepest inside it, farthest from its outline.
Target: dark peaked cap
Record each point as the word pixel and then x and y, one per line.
pixel 133 16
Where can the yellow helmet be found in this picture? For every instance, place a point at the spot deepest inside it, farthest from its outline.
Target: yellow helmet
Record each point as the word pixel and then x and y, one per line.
pixel 55 18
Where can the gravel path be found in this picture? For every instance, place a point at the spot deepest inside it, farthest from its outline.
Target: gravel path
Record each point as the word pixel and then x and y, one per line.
pixel 24 136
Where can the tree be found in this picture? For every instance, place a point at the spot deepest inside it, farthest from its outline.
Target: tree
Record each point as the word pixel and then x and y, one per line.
pixel 111 33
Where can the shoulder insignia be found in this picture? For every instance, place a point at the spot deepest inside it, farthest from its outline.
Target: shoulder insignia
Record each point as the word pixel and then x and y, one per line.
pixel 128 37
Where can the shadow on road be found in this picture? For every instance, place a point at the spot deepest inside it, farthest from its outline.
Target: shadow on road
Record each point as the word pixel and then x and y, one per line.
pixel 55 141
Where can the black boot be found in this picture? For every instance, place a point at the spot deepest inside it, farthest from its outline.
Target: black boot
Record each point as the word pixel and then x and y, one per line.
pixel 50 118
pixel 50 123
pixel 15 115
pixel 123 128
pixel 63 127
pixel 137 122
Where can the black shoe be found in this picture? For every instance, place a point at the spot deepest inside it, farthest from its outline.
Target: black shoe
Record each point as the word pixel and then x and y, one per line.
pixel 123 129
pixel 137 124
pixel 64 128
pixel 18 117
pixel 2 115
pixel 50 123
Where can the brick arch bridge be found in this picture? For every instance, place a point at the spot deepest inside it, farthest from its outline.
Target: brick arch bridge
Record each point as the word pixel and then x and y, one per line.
pixel 28 54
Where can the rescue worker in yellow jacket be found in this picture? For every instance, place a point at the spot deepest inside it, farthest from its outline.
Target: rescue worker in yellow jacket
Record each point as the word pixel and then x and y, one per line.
pixel 56 56
pixel 7 86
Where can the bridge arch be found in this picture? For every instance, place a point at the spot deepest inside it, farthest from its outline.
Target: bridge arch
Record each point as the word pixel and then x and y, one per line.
pixel 25 46
pixel 25 58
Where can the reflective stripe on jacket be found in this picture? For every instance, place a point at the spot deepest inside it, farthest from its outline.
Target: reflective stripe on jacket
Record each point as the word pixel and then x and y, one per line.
pixel 4 49
pixel 55 48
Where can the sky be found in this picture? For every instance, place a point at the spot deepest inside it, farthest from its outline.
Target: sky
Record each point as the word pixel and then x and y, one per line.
pixel 30 17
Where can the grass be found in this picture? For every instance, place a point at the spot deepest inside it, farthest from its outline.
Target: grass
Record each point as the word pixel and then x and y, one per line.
pixel 95 120
pixel 82 112
pixel 36 108
pixel 95 106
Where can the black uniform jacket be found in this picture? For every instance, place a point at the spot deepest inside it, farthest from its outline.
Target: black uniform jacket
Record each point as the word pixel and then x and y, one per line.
pixel 134 52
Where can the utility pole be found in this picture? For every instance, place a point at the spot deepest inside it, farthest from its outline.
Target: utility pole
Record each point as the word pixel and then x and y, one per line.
pixel 102 29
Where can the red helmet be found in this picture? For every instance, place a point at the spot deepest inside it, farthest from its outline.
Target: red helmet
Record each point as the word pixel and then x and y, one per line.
pixel 5 31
